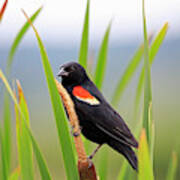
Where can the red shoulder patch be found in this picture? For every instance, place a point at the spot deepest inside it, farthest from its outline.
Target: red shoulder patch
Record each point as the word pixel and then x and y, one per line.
pixel 83 95
pixel 81 92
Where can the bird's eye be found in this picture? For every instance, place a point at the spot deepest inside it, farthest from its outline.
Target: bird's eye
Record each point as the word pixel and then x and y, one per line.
pixel 67 69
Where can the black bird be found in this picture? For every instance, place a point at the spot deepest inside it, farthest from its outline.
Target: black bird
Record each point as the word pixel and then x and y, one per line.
pixel 99 122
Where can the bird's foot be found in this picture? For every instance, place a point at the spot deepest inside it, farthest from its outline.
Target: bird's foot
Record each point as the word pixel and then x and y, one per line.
pixel 90 162
pixel 76 133
pixel 90 157
pixel 94 152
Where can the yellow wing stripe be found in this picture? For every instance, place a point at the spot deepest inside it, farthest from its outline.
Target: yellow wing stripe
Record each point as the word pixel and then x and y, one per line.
pixel 91 101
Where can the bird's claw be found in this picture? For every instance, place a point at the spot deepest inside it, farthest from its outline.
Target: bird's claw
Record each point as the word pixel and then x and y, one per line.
pixel 90 163
pixel 76 134
pixel 90 157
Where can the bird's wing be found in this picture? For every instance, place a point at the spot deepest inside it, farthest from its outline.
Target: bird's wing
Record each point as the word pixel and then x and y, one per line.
pixel 113 125
pixel 104 117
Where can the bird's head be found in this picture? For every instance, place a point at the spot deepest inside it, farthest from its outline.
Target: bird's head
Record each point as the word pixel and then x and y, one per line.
pixel 72 73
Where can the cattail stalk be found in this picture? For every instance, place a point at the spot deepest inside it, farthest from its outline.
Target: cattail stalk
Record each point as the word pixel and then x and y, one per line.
pixel 85 166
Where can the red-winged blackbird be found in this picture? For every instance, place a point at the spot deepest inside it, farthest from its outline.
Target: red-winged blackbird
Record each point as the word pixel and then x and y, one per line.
pixel 100 123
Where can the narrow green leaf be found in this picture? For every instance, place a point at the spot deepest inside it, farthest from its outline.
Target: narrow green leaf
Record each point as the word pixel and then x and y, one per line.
pixel 152 53
pixel 41 163
pixel 7 129
pixel 171 175
pixel 15 174
pixel 83 53
pixel 127 75
pixel 21 112
pixel 23 141
pixel 151 132
pixel 4 169
pixel 147 84
pixel 3 78
pixel 59 114
pixel 19 38
pixel 102 60
pixel 145 167
pixel 103 164
pixel 7 117
pixel 40 160
pixel 7 113
pixel 123 171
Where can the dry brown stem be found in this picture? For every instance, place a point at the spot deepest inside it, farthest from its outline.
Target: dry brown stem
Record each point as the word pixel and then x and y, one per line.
pixel 85 166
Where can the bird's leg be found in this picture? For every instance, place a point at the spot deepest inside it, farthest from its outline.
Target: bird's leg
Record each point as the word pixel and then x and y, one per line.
pixel 95 151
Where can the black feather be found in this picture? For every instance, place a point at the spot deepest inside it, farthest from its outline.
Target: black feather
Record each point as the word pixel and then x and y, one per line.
pixel 126 151
pixel 100 123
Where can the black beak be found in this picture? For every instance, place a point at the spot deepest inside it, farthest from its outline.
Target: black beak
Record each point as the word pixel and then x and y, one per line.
pixel 62 72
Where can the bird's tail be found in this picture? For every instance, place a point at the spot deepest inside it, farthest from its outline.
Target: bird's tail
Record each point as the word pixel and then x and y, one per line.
pixel 126 151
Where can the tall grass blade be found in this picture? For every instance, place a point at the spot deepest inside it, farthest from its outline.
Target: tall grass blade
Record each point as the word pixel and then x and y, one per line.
pixel 7 113
pixel 103 164
pixel 83 53
pixel 41 163
pixel 61 122
pixel 6 142
pixel 3 78
pixel 23 140
pixel 147 84
pixel 171 175
pixel 152 53
pixel 7 130
pixel 123 171
pixel 145 167
pixel 19 38
pixel 127 75
pixel 40 160
pixel 102 60
pixel 15 174
pixel 98 79
pixel 21 111
pixel 4 169
pixel 2 10
pixel 151 132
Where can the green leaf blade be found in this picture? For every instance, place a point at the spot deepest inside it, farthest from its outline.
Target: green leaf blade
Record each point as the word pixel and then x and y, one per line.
pixel 19 38
pixel 22 125
pixel 102 60
pixel 23 144
pixel 123 171
pixel 127 75
pixel 145 167
pixel 147 84
pixel 7 130
pixel 15 174
pixel 157 42
pixel 171 175
pixel 152 53
pixel 83 53
pixel 59 114
pixel 40 160
pixel 103 164
pixel 4 169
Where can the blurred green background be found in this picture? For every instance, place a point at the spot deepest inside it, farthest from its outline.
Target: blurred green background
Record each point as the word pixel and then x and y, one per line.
pixel 165 84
